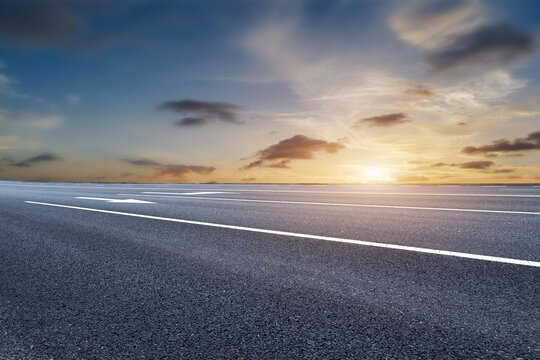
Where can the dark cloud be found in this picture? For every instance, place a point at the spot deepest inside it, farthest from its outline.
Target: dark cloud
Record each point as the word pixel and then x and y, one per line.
pixel 385 120
pixel 476 164
pixel 203 112
pixel 178 170
pixel 296 147
pixel 57 23
pixel 497 44
pixel 503 171
pixel 441 164
pixel 141 162
pixel 531 142
pixel 46 157
pixel 38 23
pixel 466 165
pixel 192 121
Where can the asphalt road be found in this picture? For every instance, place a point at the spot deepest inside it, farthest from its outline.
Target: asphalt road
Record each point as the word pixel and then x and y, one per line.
pixel 269 271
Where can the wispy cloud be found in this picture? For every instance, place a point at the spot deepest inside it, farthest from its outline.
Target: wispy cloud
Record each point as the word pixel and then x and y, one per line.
pixel 418 90
pixel 39 121
pixel 73 99
pixel 478 165
pixel 428 24
pixel 179 170
pixel 176 170
pixel 7 86
pixel 141 162
pixel 45 157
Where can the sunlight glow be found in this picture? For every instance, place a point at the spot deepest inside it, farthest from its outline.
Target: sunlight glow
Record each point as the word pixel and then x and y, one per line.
pixel 377 174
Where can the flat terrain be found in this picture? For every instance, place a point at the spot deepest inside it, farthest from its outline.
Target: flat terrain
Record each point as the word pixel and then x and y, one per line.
pixel 269 271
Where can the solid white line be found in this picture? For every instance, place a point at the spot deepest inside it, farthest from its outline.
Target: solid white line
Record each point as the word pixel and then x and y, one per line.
pixel 515 189
pixel 205 193
pixel 308 236
pixel 341 204
pixel 363 193
pixel 124 201
pixel 287 191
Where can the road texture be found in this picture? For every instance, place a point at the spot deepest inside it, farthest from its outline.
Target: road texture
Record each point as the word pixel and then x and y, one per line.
pixel 204 271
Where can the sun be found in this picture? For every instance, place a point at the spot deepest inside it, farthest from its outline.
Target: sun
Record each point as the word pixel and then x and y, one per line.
pixel 373 173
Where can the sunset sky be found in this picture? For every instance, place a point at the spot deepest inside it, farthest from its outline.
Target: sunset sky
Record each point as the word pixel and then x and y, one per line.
pixel 270 91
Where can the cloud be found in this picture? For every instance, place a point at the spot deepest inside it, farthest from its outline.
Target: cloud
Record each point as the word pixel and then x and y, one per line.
pixel 38 22
pixel 73 99
pixel 203 112
pixel 5 81
pixel 181 170
pixel 476 164
pixel 192 121
pixel 428 24
pixel 530 142
pixel 467 165
pixel 418 90
pixel 177 170
pixel 488 45
pixel 43 122
pixel 141 162
pixel 457 129
pixel 296 147
pixel 385 120
pixel 503 171
pixel 7 141
pixel 45 157
pixel 55 23
pixel 7 84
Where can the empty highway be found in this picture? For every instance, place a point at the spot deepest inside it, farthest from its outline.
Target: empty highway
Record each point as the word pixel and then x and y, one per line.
pixel 202 271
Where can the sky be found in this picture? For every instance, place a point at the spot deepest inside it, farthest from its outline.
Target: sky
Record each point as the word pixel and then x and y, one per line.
pixel 270 91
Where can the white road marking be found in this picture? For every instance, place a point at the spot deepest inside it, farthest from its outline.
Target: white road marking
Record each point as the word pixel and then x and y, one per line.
pixel 308 236
pixel 289 191
pixel 518 189
pixel 126 201
pixel 343 204
pixel 205 193
pixel 365 193
pixel 493 186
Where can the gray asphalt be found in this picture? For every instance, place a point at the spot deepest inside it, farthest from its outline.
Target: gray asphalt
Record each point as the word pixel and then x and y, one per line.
pixel 81 284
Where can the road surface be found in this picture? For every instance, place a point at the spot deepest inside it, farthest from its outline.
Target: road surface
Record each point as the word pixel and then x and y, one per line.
pixel 269 271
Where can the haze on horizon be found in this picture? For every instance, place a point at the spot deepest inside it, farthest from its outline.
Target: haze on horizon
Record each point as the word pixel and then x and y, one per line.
pixel 270 91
